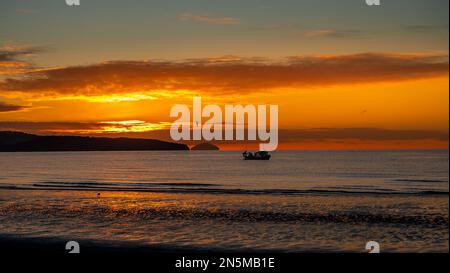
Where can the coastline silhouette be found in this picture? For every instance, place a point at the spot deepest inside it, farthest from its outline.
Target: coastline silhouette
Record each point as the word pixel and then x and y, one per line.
pixel 22 142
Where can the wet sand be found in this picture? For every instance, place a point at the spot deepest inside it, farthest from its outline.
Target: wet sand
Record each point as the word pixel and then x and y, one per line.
pixel 15 244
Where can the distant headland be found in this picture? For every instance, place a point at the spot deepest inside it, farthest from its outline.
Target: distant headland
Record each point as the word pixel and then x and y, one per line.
pixel 205 147
pixel 23 142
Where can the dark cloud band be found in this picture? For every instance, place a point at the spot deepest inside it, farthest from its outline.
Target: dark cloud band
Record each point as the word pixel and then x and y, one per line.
pixel 286 135
pixel 5 107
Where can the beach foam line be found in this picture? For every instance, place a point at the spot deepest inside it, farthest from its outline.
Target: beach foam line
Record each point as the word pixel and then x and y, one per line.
pixel 420 180
pixel 103 184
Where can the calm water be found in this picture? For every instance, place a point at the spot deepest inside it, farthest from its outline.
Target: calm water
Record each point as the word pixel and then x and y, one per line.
pixel 299 201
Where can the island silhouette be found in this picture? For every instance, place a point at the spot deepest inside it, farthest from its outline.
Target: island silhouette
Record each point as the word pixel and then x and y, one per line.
pixel 23 142
pixel 205 146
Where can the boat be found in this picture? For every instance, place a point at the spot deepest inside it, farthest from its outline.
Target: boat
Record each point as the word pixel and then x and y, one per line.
pixel 261 155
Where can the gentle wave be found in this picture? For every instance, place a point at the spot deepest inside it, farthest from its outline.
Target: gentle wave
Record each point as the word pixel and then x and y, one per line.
pixel 204 188
pixel 233 215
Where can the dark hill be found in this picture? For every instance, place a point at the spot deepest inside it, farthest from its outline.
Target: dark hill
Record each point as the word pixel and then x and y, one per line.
pixel 19 142
pixel 9 138
pixel 205 147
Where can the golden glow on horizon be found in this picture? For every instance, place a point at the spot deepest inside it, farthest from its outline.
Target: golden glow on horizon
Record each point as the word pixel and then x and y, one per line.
pixel 111 98
pixel 420 104
pixel 126 126
pixel 399 105
pixel 132 126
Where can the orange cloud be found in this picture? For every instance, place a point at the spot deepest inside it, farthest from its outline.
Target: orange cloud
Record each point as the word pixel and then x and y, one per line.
pixel 15 60
pixel 6 107
pixel 85 128
pixel 332 33
pixel 226 76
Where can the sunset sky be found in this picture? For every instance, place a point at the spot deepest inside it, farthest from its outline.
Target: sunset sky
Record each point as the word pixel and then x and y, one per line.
pixel 345 75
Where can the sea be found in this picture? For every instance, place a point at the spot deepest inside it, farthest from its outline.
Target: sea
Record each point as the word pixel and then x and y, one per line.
pixel 299 201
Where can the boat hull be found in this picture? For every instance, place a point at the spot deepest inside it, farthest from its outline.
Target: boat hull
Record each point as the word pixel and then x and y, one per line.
pixel 267 157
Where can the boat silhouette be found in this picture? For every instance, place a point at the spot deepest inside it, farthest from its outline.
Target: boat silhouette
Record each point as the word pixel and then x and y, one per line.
pixel 261 155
